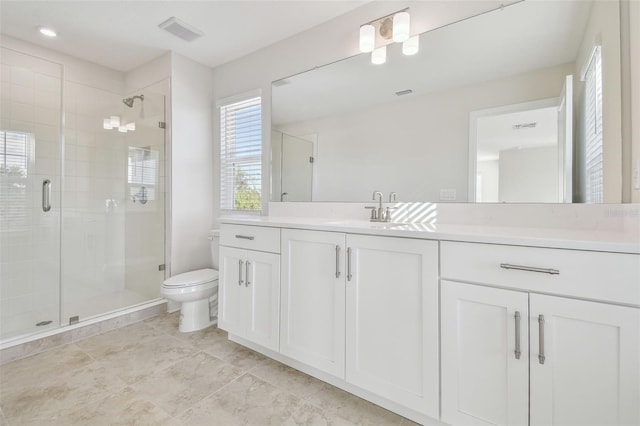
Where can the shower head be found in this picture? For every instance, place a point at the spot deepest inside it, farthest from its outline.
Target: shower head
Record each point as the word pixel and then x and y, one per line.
pixel 129 101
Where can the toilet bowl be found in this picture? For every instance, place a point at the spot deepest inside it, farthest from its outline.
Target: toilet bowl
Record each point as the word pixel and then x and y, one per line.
pixel 195 290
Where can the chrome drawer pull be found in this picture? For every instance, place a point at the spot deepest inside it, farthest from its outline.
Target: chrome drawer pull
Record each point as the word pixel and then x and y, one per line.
pixel 541 356
pixel 517 351
pixel 349 264
pixel 530 269
pixel 245 237
pixel 337 261
pixel 246 274
pixel 240 272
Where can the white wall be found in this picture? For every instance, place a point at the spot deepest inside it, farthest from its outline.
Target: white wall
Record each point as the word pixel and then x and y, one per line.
pixel 490 180
pixel 634 47
pixel 192 170
pixel 427 148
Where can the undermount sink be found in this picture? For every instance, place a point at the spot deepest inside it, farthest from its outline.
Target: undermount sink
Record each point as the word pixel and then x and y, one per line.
pixel 367 223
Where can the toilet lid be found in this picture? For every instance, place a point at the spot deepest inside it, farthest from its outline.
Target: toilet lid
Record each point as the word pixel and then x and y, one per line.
pixel 200 276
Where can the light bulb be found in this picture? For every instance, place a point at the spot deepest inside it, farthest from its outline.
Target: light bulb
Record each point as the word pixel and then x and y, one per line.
pixel 379 55
pixel 115 121
pixel 131 126
pixel 122 129
pixel 401 27
pixel 367 38
pixel 106 124
pixel 47 32
pixel 411 45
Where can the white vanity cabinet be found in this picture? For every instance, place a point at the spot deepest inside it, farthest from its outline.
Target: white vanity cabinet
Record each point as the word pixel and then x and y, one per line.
pixel 579 360
pixel 249 286
pixel 312 303
pixel 392 319
pixel 364 309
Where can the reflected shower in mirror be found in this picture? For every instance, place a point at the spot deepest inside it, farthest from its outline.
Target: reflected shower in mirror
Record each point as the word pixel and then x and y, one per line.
pixel 411 125
pixel 292 159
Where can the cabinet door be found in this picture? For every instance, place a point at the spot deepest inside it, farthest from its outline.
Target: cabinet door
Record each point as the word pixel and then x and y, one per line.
pixel 312 299
pixel 392 319
pixel 590 371
pixel 262 303
pixel 231 290
pixel 484 382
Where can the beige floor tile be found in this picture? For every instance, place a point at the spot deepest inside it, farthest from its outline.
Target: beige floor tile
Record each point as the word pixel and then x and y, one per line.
pixel 233 353
pixel 252 401
pixel 58 395
pixel 50 364
pixel 185 383
pixel 123 408
pixel 166 323
pixel 145 359
pixel 116 341
pixel 352 408
pixel 287 378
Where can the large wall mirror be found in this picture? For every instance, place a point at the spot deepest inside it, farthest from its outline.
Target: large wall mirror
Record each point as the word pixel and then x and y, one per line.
pixel 520 104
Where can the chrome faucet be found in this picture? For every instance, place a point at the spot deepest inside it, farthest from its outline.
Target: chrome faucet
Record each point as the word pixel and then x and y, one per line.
pixel 380 209
pixel 380 213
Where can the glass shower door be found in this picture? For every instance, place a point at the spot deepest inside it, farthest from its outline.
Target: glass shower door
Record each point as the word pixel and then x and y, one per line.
pixel 30 196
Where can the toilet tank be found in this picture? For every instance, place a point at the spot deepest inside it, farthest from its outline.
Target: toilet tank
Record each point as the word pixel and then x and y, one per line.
pixel 214 237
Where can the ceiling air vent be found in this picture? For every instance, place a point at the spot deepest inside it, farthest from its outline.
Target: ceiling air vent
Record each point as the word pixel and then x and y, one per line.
pixel 404 92
pixel 181 29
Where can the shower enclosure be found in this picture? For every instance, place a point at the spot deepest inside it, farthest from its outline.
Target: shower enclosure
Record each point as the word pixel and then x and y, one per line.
pixel 82 198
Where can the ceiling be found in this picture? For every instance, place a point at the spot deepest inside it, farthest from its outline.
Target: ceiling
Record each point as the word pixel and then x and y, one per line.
pixel 522 37
pixel 123 35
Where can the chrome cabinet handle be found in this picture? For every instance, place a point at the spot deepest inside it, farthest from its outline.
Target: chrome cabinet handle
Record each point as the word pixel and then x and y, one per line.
pixel 240 262
pixel 517 351
pixel 46 195
pixel 337 261
pixel 541 356
pixel 349 264
pixel 245 237
pixel 530 269
pixel 246 273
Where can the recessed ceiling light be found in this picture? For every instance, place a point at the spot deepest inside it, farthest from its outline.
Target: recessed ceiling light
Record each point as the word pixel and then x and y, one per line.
pixel 47 32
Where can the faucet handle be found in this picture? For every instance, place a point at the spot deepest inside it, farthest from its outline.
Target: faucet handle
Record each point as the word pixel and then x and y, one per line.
pixel 386 215
pixel 374 212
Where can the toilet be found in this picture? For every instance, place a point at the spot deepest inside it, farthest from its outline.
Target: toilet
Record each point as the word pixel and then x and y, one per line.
pixel 197 291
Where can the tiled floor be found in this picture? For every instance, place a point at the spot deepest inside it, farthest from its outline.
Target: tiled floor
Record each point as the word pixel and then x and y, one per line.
pixel 150 374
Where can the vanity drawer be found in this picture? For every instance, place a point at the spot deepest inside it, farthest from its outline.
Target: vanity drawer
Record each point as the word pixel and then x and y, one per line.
pixel 260 238
pixel 612 277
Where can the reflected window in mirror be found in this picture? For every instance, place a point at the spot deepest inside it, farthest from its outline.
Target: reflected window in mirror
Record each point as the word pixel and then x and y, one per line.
pixel 591 143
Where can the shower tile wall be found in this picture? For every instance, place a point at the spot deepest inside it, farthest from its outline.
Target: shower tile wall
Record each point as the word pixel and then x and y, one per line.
pixel 94 212
pixel 29 238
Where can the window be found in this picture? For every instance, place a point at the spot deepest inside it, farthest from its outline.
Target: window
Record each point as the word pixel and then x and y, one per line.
pixel 14 160
pixel 593 128
pixel 241 155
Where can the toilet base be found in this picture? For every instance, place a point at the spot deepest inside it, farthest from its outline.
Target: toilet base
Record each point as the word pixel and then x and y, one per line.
pixel 194 316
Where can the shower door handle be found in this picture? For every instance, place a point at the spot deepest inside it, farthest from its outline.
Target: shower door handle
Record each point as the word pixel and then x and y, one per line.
pixel 46 195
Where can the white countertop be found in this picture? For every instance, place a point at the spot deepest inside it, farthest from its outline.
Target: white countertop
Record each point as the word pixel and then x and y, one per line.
pixel 575 239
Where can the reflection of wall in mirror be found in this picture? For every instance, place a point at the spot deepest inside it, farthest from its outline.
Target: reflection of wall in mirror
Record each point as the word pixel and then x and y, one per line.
pixel 291 167
pixel 528 175
pixel 426 148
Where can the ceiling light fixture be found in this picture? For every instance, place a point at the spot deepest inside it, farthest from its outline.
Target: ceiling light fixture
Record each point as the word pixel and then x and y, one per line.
pixel 377 34
pixel 47 32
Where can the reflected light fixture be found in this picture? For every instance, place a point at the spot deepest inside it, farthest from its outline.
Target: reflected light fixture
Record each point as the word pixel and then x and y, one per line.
pixel 377 34
pixel 114 122
pixel 47 32
pixel 379 55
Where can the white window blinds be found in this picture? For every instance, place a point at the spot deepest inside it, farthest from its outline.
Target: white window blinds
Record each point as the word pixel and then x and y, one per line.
pixel 241 155
pixel 593 128
pixel 14 161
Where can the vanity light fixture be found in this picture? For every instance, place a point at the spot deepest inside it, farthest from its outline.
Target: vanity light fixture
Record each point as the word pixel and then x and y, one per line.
pixel 377 34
